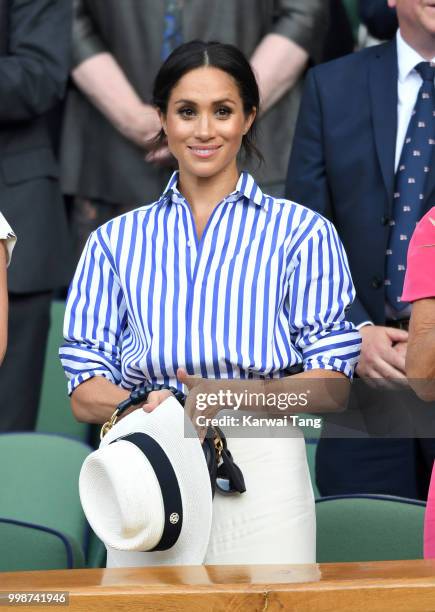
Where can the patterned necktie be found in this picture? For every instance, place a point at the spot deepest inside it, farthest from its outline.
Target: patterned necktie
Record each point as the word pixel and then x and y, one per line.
pixel 173 30
pixel 411 175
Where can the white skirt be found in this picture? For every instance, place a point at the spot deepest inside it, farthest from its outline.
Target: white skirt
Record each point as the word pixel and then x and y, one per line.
pixel 274 520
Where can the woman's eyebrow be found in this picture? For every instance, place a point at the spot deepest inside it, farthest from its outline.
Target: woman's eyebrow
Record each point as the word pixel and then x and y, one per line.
pixel 193 103
pixel 225 101
pixel 183 101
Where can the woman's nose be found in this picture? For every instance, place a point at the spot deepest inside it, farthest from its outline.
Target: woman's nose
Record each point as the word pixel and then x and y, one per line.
pixel 204 127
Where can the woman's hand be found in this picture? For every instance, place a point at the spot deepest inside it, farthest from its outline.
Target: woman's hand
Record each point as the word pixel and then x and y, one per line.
pixel 155 398
pixel 202 398
pixel 189 380
pixel 382 361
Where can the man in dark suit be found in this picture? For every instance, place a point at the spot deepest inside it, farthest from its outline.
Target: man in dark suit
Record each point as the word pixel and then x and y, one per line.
pixel 354 159
pixel 34 63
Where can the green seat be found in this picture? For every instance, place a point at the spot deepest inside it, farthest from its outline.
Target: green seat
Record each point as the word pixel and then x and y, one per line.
pixel 311 447
pixel 28 547
pixel 39 481
pixel 369 528
pixel 309 424
pixel 55 415
pixel 96 556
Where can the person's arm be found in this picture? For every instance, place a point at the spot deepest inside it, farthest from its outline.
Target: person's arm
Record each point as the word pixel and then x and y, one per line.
pixel 312 391
pixel 95 400
pixel 278 63
pixel 119 103
pixel 420 358
pixel 95 318
pixel 419 289
pixel 3 300
pixel 283 54
pixel 94 68
pixel 320 292
pixel 34 72
pixel 7 240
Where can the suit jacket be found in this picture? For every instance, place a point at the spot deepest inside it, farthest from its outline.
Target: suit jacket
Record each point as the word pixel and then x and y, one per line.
pixel 33 74
pixel 342 163
pixel 97 162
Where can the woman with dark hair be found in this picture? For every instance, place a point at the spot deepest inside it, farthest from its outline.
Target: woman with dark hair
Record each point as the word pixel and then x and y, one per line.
pixel 217 280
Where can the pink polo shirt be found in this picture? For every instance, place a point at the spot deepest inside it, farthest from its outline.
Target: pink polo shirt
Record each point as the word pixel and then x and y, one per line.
pixel 420 270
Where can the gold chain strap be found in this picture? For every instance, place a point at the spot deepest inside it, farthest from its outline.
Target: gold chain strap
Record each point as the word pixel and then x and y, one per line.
pixel 219 447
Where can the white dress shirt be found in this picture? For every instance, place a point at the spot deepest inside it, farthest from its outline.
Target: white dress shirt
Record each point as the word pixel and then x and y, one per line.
pixel 264 289
pixel 408 84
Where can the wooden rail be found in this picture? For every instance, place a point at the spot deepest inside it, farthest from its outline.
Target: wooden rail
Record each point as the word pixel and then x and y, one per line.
pixel 370 587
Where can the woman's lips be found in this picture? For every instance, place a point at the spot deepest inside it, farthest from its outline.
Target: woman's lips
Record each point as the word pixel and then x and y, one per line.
pixel 204 152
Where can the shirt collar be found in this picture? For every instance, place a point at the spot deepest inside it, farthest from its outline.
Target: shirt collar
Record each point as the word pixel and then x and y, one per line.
pixel 246 187
pixel 171 186
pixel 407 57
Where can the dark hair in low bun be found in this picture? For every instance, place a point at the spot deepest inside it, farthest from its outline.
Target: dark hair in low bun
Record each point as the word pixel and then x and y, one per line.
pixel 196 54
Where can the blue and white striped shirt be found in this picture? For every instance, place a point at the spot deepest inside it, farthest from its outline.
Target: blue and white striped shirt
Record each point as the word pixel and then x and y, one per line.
pixel 265 288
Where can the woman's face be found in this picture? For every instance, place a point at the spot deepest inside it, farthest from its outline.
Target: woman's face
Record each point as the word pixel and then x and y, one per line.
pixel 205 122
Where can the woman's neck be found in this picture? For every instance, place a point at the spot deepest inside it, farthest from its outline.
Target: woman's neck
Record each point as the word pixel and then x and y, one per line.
pixel 205 193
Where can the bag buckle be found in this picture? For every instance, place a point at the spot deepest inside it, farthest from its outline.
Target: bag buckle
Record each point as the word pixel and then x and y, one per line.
pixel 109 424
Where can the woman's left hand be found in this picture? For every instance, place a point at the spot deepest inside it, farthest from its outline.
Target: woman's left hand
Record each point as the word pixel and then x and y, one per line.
pixel 189 380
pixel 197 386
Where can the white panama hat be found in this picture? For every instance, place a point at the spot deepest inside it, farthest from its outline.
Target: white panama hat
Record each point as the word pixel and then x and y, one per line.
pixel 146 491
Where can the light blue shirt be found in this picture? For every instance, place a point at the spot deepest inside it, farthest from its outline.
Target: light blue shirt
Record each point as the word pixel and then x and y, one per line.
pixel 265 288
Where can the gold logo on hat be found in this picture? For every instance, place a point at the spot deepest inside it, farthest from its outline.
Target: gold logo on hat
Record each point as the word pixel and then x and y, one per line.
pixel 174 518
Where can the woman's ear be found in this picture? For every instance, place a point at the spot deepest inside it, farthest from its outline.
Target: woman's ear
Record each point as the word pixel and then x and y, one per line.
pixel 162 118
pixel 249 120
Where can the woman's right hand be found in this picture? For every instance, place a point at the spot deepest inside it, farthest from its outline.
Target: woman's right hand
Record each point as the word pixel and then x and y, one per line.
pixel 155 398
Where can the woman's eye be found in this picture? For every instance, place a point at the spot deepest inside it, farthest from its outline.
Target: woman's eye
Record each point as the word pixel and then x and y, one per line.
pixel 223 111
pixel 186 112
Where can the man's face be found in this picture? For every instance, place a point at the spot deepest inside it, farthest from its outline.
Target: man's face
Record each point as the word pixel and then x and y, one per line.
pixel 416 21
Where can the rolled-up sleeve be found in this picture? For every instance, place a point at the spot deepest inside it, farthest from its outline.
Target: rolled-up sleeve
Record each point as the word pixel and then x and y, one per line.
pixel 320 292
pixel 305 22
pixel 95 318
pixel 87 41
